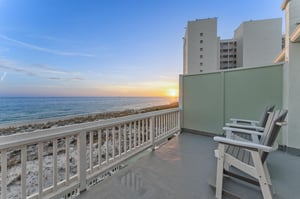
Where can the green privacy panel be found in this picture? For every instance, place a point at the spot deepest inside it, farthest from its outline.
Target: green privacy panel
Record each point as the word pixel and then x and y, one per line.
pixel 202 102
pixel 248 91
pixel 209 100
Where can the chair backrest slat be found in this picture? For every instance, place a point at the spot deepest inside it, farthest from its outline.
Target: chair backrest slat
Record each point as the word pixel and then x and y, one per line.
pixel 265 115
pixel 272 130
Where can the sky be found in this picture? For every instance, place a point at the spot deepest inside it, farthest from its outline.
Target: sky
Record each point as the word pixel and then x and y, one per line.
pixel 106 47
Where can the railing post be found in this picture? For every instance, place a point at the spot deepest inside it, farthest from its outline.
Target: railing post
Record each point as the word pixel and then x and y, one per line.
pixel 152 132
pixel 180 113
pixel 81 143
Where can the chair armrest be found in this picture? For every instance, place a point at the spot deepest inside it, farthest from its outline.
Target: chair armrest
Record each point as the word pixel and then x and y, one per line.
pixel 248 145
pixel 245 126
pixel 244 121
pixel 284 123
pixel 245 131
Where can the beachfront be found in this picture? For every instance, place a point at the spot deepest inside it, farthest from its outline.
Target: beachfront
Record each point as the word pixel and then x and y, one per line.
pixel 114 142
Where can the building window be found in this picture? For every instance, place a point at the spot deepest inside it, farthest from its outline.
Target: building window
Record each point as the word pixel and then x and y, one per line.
pixel 201 56
pixel 201 64
pixel 201 49
pixel 201 41
pixel 201 34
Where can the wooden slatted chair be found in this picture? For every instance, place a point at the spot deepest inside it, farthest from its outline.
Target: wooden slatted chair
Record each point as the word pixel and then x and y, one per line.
pixel 252 124
pixel 248 156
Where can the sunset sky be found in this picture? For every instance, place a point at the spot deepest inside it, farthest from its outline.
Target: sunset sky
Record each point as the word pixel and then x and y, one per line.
pixel 106 47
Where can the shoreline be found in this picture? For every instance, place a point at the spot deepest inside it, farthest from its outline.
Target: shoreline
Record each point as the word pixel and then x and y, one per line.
pixel 29 126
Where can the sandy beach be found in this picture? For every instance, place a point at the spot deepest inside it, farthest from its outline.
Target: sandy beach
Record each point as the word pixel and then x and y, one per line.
pixel 55 122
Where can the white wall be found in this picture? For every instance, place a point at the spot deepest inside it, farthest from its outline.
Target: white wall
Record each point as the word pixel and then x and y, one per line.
pixel 209 46
pixel 238 36
pixel 258 42
pixel 292 71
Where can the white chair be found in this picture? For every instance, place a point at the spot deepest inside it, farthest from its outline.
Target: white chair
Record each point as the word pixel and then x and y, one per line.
pixel 252 124
pixel 248 156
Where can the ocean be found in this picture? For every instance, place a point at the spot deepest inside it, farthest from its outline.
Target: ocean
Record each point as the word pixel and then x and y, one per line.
pixel 26 109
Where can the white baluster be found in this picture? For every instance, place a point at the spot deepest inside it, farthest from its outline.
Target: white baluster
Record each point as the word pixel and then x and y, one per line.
pixel 81 143
pixel 125 138
pixel 54 165
pixel 152 133
pixel 134 133
pixel 159 125
pixel 40 169
pixel 139 132
pixel 99 147
pixel 130 135
pixel 91 150
pixel 143 131
pixel 114 142
pixel 106 145
pixel 67 160
pixel 147 130
pixel 119 137
pixel 23 171
pixel 4 174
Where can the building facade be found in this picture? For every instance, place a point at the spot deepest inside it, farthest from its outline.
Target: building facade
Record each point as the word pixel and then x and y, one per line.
pixel 254 43
pixel 227 54
pixel 201 46
pixel 258 42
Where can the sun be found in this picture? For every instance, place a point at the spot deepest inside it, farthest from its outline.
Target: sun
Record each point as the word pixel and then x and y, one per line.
pixel 172 92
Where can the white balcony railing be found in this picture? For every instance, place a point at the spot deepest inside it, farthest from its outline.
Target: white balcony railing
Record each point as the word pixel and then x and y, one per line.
pixel 62 162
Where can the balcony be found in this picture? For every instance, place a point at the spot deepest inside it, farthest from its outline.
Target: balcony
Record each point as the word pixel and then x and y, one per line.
pixel 179 168
pixel 64 161
pixel 184 167
pixel 115 158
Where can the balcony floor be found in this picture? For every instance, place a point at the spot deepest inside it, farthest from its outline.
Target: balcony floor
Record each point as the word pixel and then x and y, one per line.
pixel 183 167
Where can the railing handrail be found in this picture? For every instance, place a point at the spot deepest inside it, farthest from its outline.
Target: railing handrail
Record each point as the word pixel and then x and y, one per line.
pixel 87 152
pixel 14 140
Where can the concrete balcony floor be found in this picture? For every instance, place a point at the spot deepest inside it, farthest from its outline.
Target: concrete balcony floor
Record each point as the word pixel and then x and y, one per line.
pixel 182 168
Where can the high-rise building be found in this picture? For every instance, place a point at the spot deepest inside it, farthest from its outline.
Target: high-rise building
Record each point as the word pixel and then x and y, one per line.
pixel 258 42
pixel 227 54
pixel 255 43
pixel 201 46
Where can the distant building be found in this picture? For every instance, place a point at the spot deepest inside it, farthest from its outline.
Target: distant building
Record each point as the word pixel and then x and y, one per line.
pixel 258 42
pixel 227 54
pixel 255 43
pixel 201 46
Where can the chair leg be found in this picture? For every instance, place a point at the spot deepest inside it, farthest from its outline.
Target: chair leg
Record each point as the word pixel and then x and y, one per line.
pixel 220 169
pixel 269 178
pixel 267 173
pixel 262 177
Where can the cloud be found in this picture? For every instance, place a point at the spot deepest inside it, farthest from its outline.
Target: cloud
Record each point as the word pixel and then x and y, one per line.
pixel 39 70
pixel 66 79
pixel 8 65
pixel 3 76
pixel 48 69
pixel 42 49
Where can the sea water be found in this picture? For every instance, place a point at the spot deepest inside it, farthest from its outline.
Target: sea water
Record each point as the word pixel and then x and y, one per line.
pixel 25 109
